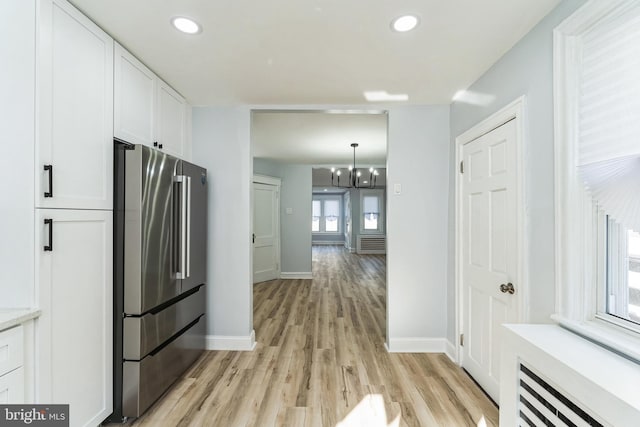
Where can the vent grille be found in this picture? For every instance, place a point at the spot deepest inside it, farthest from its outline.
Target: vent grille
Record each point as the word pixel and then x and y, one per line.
pixel 372 244
pixel 542 405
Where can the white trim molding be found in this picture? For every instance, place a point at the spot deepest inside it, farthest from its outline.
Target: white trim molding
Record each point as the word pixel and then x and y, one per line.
pixel 269 180
pixel 231 343
pixel 296 275
pixel 450 351
pixel 417 345
pixel 513 111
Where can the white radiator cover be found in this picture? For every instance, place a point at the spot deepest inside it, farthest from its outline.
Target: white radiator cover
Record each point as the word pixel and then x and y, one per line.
pixel 372 244
pixel 542 404
pixel 551 374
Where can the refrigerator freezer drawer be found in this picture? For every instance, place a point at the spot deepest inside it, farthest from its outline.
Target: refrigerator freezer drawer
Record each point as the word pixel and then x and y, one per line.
pixel 141 335
pixel 145 381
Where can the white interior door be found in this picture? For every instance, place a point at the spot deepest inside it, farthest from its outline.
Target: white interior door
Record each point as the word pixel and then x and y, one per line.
pixel 489 248
pixel 266 250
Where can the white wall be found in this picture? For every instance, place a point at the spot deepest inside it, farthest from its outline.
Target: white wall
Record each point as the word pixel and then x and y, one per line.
pixel 17 129
pixel 527 69
pixel 221 143
pixel 417 220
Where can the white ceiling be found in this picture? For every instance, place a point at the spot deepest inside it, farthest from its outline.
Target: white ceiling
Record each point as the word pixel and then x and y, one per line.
pixel 320 138
pixel 318 52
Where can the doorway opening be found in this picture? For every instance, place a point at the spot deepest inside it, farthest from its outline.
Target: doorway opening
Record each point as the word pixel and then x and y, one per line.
pixel 328 233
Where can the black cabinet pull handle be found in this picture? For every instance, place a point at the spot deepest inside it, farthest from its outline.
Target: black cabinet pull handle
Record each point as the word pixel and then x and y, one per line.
pixel 49 247
pixel 49 168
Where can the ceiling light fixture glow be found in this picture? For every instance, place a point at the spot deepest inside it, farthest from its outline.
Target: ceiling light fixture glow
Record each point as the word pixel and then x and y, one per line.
pixel 405 23
pixel 186 25
pixel 383 95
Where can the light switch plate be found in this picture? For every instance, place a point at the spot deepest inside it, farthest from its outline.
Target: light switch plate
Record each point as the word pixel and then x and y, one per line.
pixel 397 188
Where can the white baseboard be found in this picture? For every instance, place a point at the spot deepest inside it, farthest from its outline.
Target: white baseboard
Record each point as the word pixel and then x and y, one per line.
pixel 296 275
pixel 231 343
pixel 450 351
pixel 417 345
pixel 327 242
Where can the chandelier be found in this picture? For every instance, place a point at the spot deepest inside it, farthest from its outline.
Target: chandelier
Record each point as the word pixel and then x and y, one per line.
pixel 354 175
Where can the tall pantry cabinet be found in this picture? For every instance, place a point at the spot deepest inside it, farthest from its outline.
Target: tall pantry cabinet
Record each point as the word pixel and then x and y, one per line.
pixel 74 220
pixel 66 75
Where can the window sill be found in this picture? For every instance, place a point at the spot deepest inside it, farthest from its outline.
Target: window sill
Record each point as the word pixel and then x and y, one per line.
pixel 621 341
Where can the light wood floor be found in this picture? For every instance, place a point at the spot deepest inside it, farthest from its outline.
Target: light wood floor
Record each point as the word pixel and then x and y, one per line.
pixel 321 361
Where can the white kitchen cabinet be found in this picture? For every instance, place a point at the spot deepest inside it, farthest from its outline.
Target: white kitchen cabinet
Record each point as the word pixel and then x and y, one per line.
pixel 172 120
pixel 75 111
pixel 135 89
pixel 146 109
pixel 12 387
pixel 74 259
pixel 11 361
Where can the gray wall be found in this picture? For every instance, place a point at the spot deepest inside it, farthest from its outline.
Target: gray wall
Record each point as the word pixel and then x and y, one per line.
pixel 527 69
pixel 417 221
pixel 221 144
pixel 418 159
pixel 295 228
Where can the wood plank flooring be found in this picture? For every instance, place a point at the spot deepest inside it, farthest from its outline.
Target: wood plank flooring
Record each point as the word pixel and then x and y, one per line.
pixel 321 361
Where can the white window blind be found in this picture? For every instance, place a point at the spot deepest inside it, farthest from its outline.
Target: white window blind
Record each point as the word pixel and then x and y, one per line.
pixel 371 205
pixel 331 208
pixel 316 209
pixel 609 115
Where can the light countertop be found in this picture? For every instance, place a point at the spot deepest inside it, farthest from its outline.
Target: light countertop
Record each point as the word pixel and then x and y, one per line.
pixel 12 317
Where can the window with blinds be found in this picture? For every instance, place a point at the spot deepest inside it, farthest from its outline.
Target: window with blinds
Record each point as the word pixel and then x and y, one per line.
pixel 372 211
pixel 325 214
pixel 609 152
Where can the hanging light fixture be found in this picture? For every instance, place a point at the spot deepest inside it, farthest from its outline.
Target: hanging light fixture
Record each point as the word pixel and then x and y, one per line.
pixel 354 175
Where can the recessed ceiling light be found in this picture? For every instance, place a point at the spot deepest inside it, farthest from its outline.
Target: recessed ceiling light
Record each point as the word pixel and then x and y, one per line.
pixel 186 25
pixel 404 23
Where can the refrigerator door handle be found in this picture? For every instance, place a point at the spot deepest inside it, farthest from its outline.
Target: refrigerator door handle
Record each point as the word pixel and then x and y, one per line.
pixel 181 272
pixel 187 219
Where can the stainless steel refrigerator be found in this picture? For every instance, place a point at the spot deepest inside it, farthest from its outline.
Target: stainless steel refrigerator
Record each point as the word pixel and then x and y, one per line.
pixel 160 220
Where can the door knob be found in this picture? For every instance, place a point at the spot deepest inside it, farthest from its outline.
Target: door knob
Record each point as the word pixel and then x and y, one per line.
pixel 507 289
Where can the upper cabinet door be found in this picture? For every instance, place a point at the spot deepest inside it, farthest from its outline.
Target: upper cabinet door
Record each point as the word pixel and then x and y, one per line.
pixel 134 99
pixel 74 143
pixel 172 121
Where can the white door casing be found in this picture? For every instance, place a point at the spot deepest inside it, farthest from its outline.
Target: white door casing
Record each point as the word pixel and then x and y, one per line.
pixel 266 230
pixel 490 241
